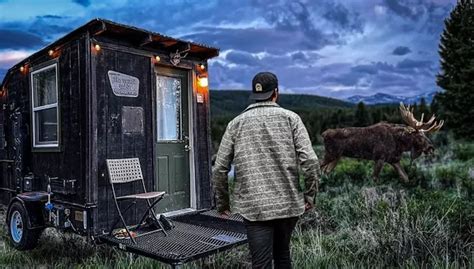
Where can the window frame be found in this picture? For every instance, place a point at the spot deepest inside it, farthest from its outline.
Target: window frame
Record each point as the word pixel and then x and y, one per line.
pixel 50 145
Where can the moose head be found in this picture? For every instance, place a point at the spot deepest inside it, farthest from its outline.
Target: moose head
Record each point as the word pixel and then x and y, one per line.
pixel 418 140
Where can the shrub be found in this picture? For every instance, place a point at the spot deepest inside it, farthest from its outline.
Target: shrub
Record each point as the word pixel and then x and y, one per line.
pixel 348 170
pixel 447 176
pixel 456 175
pixel 464 151
pixel 441 138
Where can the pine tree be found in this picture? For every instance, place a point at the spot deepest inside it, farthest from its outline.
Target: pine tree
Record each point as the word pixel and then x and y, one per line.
pixel 362 117
pixel 434 106
pixel 423 108
pixel 377 115
pixel 456 50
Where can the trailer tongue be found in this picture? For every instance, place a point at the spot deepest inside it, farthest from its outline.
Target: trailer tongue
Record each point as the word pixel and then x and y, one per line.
pixel 193 236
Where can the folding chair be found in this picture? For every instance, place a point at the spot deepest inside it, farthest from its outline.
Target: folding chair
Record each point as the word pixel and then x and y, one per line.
pixel 123 171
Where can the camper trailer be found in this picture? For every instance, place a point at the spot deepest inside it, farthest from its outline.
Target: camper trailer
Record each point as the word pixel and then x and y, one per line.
pixel 105 133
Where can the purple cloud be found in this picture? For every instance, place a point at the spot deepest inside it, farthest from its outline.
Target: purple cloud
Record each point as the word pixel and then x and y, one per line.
pixel 401 50
pixel 19 39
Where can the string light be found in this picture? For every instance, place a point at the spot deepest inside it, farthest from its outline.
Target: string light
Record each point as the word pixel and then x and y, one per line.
pixel 202 66
pixel 203 82
pixel 50 52
pixel 97 47
pixel 157 58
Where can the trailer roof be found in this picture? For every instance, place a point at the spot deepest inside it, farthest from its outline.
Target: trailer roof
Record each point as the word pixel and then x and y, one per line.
pixel 137 36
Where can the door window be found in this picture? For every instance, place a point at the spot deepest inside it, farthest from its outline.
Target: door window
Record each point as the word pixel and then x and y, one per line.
pixel 168 108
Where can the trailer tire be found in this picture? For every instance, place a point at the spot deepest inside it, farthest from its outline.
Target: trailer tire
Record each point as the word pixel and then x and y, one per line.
pixel 21 237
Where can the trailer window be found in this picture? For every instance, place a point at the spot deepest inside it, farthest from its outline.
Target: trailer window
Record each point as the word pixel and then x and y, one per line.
pixel 44 95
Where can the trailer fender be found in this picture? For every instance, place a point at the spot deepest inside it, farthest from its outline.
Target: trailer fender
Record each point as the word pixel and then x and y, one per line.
pixel 34 208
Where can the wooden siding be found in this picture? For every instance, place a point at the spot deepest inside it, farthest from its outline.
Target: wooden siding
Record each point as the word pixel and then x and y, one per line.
pixel 113 143
pixel 67 162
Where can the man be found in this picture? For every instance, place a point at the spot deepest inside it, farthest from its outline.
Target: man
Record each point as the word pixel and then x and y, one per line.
pixel 268 146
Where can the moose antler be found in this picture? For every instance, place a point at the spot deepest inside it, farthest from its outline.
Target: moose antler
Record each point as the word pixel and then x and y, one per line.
pixel 426 127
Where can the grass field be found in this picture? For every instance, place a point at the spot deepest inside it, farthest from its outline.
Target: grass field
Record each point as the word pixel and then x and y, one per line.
pixel 428 223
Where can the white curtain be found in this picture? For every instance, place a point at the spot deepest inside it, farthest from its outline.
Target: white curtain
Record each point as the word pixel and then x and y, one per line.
pixel 168 107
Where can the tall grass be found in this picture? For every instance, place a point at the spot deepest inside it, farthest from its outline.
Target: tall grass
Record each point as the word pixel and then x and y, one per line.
pixel 357 223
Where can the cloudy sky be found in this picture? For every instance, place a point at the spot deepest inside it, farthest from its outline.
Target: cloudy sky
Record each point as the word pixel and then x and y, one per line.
pixel 327 47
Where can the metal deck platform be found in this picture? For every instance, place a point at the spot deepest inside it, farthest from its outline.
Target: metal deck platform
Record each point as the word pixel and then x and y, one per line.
pixel 194 236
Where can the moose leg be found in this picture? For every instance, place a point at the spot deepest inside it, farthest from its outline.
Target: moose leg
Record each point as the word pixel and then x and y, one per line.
pixel 331 165
pixel 400 171
pixel 325 162
pixel 323 165
pixel 377 168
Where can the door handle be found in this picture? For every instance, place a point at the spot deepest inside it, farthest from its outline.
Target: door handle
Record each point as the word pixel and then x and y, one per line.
pixel 187 148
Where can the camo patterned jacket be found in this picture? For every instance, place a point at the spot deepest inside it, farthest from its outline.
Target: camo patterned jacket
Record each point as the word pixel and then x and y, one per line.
pixel 268 145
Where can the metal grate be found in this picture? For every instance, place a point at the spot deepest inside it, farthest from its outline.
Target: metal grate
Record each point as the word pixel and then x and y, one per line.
pixel 124 170
pixel 214 213
pixel 213 220
pixel 193 237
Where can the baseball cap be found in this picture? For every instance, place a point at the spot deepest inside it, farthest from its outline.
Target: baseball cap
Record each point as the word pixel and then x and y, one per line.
pixel 263 85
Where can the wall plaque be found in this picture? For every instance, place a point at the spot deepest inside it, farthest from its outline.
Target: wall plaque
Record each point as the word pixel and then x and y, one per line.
pixel 123 85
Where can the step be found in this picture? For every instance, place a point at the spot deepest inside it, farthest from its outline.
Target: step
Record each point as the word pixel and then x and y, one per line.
pixel 195 235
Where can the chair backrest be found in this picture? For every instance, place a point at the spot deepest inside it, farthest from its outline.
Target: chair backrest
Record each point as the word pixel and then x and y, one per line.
pixel 124 170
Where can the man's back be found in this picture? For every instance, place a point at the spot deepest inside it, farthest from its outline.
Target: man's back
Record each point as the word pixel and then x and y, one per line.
pixel 265 143
pixel 268 145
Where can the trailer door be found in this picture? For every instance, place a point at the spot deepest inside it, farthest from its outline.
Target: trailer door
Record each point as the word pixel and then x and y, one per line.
pixel 172 139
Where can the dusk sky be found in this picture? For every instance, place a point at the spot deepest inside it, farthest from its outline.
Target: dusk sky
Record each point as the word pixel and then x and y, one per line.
pixel 324 47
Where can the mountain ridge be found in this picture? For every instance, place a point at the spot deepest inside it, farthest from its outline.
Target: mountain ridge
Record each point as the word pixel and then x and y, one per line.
pixel 232 102
pixel 385 98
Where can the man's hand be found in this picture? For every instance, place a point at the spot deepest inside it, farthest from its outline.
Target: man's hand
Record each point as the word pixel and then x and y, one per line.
pixel 225 213
pixel 307 206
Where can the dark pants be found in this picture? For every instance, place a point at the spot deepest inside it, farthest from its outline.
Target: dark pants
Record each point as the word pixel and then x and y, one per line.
pixel 270 240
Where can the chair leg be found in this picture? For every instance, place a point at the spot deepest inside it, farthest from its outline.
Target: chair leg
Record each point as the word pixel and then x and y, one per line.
pixel 162 228
pixel 118 219
pixel 154 216
pixel 123 222
pixel 150 209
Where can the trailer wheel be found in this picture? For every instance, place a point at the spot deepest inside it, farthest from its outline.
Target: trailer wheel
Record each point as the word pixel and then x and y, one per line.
pixel 21 237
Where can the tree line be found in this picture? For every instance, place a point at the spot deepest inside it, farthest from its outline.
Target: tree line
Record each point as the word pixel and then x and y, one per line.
pixel 319 119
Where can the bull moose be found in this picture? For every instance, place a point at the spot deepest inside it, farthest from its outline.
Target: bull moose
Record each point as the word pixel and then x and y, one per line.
pixel 382 142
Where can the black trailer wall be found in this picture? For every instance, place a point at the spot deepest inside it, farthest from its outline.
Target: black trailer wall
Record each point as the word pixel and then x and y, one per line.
pixel 113 141
pixel 67 161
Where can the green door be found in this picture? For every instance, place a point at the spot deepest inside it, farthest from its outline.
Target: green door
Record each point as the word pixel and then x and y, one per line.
pixel 172 139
